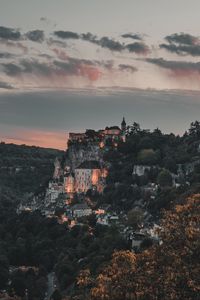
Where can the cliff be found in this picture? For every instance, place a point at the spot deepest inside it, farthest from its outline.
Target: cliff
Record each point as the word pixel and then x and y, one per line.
pixel 78 153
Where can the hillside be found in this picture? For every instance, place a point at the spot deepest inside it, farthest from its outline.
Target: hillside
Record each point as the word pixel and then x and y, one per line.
pixel 24 170
pixel 147 175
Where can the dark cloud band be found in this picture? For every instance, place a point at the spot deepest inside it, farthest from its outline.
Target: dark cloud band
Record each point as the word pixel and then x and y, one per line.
pixel 132 36
pixel 9 33
pixel 182 38
pixel 182 44
pixel 128 68
pixel 175 65
pixel 5 85
pixel 106 42
pixel 35 36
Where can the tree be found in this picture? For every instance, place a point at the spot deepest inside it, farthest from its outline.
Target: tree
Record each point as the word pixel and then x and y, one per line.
pixel 4 271
pixel 112 282
pixel 84 281
pixel 194 129
pixel 134 129
pixel 135 218
pixel 164 178
pixel 168 271
pixel 148 157
pixel 56 295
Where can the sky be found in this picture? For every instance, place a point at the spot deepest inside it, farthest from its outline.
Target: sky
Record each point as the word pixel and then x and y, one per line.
pixel 69 65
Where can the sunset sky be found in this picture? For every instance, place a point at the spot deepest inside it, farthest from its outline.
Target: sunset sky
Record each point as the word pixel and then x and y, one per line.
pixel 68 65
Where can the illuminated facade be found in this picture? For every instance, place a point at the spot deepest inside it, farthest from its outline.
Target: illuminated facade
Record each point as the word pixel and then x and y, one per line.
pixel 89 175
pixel 69 183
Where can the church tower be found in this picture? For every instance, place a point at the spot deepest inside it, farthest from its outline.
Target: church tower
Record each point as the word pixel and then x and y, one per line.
pixel 123 125
pixel 123 129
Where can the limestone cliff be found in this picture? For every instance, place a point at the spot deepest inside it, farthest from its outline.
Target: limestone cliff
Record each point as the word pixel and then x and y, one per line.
pixel 78 153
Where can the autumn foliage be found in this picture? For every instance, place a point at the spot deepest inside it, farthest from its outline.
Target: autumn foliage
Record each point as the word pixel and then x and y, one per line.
pixel 168 271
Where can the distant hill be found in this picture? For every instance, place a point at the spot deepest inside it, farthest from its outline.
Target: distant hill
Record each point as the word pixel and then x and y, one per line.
pixel 24 170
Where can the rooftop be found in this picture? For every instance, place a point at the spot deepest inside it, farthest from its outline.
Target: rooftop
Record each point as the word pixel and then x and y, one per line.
pixel 112 127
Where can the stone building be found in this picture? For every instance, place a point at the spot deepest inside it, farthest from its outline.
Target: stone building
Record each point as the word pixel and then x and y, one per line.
pixel 80 210
pixel 69 183
pixel 89 175
pixel 53 191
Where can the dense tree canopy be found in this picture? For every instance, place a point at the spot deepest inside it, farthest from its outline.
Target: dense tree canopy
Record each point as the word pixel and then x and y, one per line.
pixel 168 271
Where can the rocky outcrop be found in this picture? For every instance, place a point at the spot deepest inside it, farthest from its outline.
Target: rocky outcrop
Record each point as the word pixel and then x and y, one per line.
pixel 77 154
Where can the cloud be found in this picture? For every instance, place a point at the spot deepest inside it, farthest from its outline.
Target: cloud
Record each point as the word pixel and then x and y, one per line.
pixel 44 55
pixel 178 68
pixel 132 36
pixel 27 67
pixel 52 42
pixel 43 19
pixel 89 37
pixel 182 49
pixel 127 68
pixel 35 36
pixel 182 38
pixel 17 45
pixel 66 34
pixel 105 42
pixel 61 54
pixel 110 44
pixel 11 69
pixel 9 33
pixel 54 70
pixel 5 85
pixel 78 67
pixel 139 48
pixel 6 55
pixel 182 44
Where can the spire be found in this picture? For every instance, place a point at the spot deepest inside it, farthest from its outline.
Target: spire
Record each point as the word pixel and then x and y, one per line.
pixel 123 124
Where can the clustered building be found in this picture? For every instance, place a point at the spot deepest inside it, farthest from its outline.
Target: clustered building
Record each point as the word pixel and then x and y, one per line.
pixel 84 168
pixel 113 133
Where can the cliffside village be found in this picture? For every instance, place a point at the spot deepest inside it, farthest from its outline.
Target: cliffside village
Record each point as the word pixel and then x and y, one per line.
pixel 82 169
pixel 82 172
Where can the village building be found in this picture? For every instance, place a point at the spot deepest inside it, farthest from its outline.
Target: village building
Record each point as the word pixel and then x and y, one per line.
pixel 83 168
pixel 113 133
pixel 103 219
pixel 76 137
pixel 53 191
pixel 69 183
pixel 89 175
pixel 80 210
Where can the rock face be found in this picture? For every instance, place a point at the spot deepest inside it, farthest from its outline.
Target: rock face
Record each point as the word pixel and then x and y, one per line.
pixel 79 153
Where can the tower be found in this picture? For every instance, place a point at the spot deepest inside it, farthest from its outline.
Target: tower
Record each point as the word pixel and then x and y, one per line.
pixel 123 125
pixel 123 129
